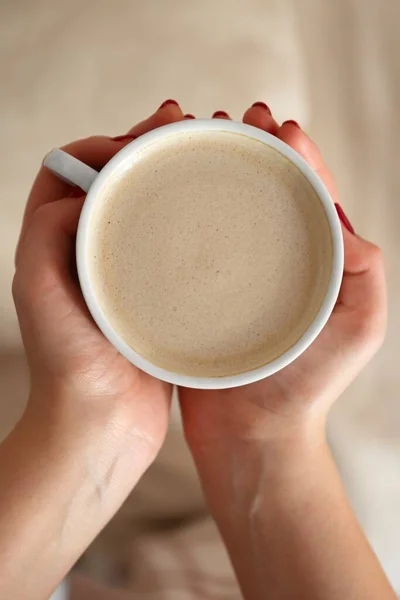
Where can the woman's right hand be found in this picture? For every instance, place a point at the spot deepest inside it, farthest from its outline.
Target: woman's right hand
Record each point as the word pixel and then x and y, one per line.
pixel 94 422
pixel 80 384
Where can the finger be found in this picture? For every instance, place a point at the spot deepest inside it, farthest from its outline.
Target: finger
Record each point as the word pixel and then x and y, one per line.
pixel 259 115
pixel 45 278
pixel 52 230
pixel 361 309
pixel 291 133
pixel 364 285
pixel 221 114
pixel 169 112
pixel 45 261
pixel 95 151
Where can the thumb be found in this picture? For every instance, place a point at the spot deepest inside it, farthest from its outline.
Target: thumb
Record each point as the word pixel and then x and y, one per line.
pixel 363 286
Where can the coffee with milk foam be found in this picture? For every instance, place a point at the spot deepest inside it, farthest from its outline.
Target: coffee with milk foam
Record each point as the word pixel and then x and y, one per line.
pixel 211 255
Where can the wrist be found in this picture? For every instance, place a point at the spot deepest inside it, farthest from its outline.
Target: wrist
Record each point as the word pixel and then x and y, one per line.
pixel 61 481
pixel 247 482
pixel 235 466
pixel 62 414
pixel 255 428
pixel 91 449
pixel 223 416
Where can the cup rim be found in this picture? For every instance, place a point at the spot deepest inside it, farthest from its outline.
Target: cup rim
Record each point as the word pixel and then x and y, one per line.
pixel 124 158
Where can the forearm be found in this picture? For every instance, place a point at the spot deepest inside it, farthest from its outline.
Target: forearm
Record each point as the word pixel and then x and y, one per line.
pixel 38 513
pixel 56 493
pixel 285 519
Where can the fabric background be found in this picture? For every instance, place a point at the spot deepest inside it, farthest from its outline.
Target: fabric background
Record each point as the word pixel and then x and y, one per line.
pixel 76 68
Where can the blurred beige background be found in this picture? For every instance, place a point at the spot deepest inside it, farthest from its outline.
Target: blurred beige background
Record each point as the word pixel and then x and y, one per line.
pixel 76 68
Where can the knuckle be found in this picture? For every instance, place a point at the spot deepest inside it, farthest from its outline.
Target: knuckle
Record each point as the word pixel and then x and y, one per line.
pixel 371 329
pixel 15 288
pixel 307 147
pixel 379 337
pixel 375 254
pixel 29 290
pixel 41 213
pixel 38 218
pixel 21 292
pixel 72 147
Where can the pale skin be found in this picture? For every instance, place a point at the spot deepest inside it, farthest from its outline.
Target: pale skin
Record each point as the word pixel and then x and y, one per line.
pixel 94 423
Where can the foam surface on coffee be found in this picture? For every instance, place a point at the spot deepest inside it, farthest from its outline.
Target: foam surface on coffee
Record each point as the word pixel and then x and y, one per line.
pixel 211 255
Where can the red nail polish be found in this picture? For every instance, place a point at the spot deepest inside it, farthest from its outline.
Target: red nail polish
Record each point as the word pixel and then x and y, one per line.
pixel 169 101
pixel 220 113
pixel 122 138
pixel 261 105
pixel 291 122
pixel 343 218
pixel 189 116
pixel 77 192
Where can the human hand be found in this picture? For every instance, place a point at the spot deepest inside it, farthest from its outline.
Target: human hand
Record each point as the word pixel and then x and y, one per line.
pixel 94 422
pixel 68 355
pixel 305 389
pixel 261 452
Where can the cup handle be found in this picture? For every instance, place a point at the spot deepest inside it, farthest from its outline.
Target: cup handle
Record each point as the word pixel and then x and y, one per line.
pixel 70 169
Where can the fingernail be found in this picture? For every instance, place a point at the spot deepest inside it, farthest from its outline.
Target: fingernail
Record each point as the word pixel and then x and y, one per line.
pixel 77 192
pixel 343 218
pixel 262 105
pixel 169 101
pixel 122 138
pixel 291 122
pixel 189 116
pixel 220 113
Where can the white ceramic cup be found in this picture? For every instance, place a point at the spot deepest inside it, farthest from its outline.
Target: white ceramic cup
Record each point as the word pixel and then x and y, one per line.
pixel 73 171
